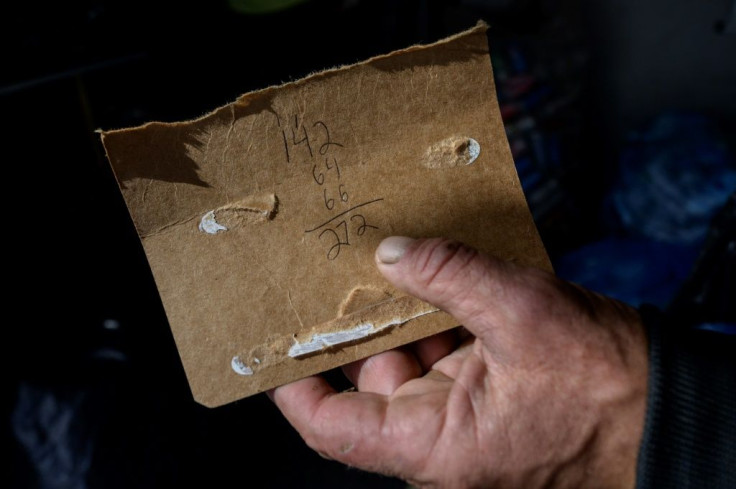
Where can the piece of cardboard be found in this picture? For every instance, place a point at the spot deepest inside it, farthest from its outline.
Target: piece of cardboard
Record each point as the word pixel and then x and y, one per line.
pixel 260 219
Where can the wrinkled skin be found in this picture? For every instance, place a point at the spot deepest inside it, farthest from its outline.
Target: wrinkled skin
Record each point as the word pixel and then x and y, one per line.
pixel 549 391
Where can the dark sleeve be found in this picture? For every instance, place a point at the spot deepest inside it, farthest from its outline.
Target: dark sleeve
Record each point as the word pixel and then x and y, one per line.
pixel 690 429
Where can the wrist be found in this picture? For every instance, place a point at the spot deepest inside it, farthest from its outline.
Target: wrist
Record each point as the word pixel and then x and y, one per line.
pixel 624 409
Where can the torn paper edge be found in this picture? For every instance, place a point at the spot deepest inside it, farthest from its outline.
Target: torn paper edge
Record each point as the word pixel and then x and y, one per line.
pixel 479 28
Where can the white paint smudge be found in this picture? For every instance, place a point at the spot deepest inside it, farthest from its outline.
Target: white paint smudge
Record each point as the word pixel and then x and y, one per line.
pixel 473 150
pixel 240 367
pixel 209 224
pixel 320 341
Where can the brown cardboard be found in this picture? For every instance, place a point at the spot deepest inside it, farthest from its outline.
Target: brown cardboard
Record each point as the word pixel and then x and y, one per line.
pixel 307 178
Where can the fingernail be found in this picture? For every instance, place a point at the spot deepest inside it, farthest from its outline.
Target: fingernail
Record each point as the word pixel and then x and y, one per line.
pixel 392 249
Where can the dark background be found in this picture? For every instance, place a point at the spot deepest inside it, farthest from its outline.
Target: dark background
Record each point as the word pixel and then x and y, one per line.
pixel 97 396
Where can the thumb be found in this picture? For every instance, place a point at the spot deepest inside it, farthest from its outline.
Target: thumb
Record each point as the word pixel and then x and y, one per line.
pixel 480 291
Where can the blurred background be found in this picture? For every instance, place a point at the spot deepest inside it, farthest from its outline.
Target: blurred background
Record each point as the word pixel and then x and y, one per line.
pixel 621 116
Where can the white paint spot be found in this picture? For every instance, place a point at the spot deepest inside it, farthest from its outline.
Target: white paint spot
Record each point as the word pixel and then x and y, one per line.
pixel 209 224
pixel 257 361
pixel 240 367
pixel 320 341
pixel 473 150
pixel 325 340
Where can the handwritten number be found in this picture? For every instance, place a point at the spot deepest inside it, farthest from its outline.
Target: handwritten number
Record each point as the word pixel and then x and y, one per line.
pixel 319 179
pixel 299 135
pixel 343 194
pixel 326 146
pixel 335 166
pixel 286 145
pixel 304 139
pixel 334 250
pixel 283 136
pixel 329 203
pixel 339 234
pixel 363 226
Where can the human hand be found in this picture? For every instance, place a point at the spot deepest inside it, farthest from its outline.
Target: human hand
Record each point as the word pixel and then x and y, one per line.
pixel 549 393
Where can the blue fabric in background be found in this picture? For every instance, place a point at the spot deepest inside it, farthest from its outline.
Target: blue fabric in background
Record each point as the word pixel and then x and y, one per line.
pixel 673 178
pixel 632 270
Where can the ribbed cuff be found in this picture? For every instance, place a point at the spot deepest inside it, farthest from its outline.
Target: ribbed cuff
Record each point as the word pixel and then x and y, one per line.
pixel 690 429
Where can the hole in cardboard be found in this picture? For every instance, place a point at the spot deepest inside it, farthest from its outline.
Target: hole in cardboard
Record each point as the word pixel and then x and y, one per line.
pixel 451 152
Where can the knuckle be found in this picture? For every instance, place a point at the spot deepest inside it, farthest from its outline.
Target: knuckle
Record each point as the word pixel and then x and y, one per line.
pixel 312 440
pixel 321 446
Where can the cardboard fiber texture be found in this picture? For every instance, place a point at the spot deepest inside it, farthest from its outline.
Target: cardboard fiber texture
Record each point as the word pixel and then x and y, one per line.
pixel 260 219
